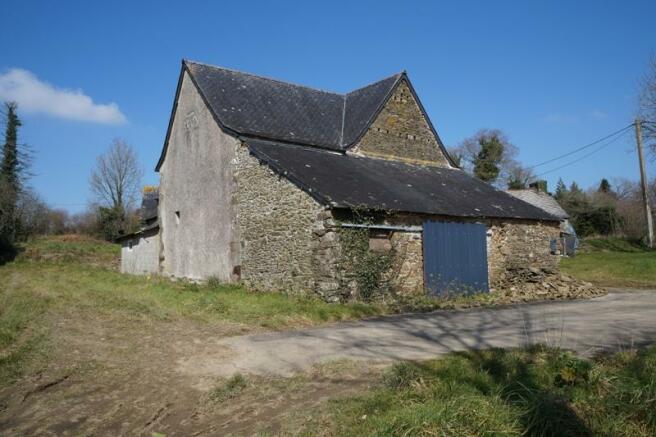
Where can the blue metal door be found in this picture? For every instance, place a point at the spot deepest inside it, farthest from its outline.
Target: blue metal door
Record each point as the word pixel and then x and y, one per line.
pixel 455 258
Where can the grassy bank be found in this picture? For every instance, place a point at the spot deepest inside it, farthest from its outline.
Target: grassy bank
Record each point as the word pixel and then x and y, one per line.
pixel 613 262
pixel 539 391
pixel 57 278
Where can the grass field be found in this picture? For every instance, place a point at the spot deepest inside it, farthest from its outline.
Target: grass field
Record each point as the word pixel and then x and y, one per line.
pixel 537 392
pixel 613 262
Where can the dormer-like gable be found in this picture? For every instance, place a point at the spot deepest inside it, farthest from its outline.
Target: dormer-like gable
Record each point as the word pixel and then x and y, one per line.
pixel 401 131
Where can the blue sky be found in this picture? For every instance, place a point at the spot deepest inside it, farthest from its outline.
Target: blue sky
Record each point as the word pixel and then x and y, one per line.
pixel 552 75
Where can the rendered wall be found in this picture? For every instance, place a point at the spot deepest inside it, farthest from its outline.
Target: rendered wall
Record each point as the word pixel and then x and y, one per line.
pixel 196 180
pixel 140 256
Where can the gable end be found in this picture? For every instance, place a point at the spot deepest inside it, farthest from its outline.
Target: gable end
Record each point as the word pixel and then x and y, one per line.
pixel 401 130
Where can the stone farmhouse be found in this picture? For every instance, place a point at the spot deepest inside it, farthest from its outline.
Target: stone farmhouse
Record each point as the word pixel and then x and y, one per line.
pixel 285 187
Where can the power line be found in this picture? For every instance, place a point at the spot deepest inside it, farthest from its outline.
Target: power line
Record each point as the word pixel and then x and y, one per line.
pixel 598 149
pixel 582 147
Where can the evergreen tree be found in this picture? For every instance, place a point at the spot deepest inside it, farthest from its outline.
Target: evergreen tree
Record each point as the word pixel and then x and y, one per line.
pixel 604 186
pixel 10 177
pixel 561 190
pixel 486 164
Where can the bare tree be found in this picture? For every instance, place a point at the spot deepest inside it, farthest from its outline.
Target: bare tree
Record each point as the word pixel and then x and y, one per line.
pixel 647 108
pixel 466 152
pixel 518 177
pixel 116 180
pixel 31 214
pixel 85 222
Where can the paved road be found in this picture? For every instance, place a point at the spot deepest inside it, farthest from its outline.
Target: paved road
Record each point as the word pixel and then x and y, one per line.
pixel 620 319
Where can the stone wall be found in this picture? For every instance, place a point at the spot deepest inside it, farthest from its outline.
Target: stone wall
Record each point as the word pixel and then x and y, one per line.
pixel 340 259
pixel 327 260
pixel 278 226
pixel 401 132
pixel 512 245
pixel 516 245
pixel 296 245
pixel 408 264
pixel 140 255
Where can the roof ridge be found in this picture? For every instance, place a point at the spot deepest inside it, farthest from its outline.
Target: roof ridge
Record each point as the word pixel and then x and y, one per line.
pixel 232 70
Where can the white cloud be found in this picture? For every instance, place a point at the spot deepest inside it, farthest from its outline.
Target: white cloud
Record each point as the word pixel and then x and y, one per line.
pixel 36 96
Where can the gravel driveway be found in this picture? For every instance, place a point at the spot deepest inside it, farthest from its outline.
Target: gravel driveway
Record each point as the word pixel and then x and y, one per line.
pixel 620 319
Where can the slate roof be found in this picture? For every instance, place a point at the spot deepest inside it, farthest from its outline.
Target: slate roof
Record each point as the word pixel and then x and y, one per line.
pixel 148 215
pixel 149 204
pixel 348 181
pixel 362 105
pixel 542 200
pixel 304 134
pixel 254 106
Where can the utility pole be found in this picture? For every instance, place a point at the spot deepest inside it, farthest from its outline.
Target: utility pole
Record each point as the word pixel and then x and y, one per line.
pixel 643 183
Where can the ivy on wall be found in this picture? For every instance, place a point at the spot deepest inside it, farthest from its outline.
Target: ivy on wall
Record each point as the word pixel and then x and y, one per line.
pixel 367 267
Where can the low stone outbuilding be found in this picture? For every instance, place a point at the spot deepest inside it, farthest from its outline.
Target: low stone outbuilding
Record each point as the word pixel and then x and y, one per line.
pixel 537 195
pixel 140 250
pixel 290 188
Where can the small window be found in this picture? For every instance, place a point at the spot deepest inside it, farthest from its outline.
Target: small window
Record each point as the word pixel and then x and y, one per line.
pixel 379 241
pixel 177 217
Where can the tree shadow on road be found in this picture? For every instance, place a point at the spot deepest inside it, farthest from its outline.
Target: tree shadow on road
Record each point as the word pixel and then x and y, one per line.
pixel 518 378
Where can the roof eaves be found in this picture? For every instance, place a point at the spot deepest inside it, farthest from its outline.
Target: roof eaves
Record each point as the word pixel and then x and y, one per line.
pixel 153 227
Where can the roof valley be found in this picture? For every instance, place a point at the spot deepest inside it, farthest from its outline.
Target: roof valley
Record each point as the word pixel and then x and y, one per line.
pixel 268 108
pixel 341 136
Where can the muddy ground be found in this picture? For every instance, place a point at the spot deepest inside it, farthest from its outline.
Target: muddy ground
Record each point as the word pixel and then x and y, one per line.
pixel 112 377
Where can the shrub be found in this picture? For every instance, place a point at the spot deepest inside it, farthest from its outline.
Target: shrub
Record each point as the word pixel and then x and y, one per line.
pixel 231 388
pixel 403 375
pixel 213 282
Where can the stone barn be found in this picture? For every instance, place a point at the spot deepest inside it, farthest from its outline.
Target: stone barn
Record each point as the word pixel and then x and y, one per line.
pixel 290 188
